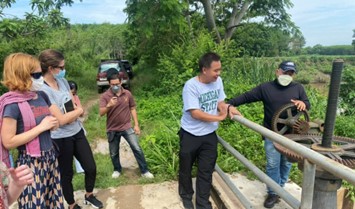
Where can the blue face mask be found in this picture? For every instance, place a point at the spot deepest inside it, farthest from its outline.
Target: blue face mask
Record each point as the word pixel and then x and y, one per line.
pixel 61 74
pixel 115 89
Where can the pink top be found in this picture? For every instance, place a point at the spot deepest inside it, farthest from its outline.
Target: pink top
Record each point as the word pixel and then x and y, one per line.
pixel 76 100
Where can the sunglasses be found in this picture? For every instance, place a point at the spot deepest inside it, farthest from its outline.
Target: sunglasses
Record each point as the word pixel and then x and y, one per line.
pixel 36 75
pixel 60 67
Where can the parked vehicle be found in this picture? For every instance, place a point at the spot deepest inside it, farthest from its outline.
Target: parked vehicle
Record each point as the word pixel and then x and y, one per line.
pixel 123 68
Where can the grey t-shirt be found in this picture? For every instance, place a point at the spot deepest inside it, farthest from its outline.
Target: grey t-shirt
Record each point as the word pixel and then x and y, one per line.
pixel 197 95
pixel 40 110
pixel 59 98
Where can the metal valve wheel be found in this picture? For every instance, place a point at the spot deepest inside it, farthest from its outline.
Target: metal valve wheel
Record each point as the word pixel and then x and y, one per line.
pixel 289 120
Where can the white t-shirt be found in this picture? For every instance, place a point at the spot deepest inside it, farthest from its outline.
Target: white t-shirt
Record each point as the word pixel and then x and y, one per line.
pixel 197 95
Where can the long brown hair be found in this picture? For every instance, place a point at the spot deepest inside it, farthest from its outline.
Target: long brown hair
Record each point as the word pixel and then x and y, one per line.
pixel 50 58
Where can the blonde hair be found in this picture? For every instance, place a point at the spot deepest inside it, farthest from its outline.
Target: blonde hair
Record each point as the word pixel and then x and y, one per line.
pixel 17 71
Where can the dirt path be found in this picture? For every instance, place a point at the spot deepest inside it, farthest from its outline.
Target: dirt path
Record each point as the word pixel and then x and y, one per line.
pixel 88 105
pixel 130 196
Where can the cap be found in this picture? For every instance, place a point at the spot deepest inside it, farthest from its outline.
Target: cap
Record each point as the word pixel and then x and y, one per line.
pixel 287 66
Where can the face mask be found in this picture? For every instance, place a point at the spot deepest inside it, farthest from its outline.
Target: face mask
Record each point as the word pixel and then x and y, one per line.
pixel 37 84
pixel 61 74
pixel 284 80
pixel 115 89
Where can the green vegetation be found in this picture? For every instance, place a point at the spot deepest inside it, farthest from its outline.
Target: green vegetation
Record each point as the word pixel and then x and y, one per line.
pixel 164 41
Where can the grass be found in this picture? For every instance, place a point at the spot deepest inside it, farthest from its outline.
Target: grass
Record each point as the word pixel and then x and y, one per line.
pixel 96 130
pixel 159 120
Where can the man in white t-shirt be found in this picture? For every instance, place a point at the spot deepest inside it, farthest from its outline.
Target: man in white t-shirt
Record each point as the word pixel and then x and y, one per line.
pixel 204 107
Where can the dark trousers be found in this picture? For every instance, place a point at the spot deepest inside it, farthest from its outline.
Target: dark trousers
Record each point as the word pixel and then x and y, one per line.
pixel 204 150
pixel 78 146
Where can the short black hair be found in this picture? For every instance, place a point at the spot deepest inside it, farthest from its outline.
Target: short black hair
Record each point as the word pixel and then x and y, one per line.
pixel 206 60
pixel 73 85
pixel 113 76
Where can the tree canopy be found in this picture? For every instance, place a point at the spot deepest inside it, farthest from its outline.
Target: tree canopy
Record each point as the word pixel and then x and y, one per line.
pixel 260 27
pixel 44 14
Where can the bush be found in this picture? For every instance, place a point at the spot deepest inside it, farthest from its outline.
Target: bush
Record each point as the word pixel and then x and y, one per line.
pixel 304 77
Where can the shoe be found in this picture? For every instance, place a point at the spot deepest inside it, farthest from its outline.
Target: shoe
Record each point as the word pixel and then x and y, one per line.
pixel 93 201
pixel 148 175
pixel 76 206
pixel 271 200
pixel 116 174
pixel 187 204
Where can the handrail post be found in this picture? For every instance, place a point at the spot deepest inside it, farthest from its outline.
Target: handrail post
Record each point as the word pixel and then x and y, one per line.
pixel 309 172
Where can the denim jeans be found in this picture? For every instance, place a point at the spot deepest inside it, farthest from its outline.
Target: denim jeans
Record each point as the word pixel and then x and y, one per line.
pixel 277 165
pixel 114 139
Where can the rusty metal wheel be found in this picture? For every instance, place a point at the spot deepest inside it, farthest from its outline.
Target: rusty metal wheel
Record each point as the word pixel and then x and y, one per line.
pixel 287 118
pixel 342 151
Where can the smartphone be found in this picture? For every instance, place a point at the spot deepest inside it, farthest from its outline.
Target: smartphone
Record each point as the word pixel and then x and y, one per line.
pixel 68 106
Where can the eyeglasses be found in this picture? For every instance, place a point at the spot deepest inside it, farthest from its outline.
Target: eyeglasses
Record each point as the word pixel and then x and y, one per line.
pixel 60 67
pixel 115 84
pixel 36 75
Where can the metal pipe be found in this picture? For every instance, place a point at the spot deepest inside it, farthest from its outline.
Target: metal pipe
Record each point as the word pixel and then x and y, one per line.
pixel 333 96
pixel 325 193
pixel 309 172
pixel 327 164
pixel 234 189
pixel 293 202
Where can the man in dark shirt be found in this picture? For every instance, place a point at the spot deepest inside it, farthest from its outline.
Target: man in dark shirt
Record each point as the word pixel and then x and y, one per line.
pixel 275 94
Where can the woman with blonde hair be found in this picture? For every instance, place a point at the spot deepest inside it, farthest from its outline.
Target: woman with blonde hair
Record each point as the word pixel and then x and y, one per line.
pixel 25 124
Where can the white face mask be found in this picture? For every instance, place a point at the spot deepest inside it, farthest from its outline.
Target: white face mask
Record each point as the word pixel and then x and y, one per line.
pixel 284 80
pixel 37 84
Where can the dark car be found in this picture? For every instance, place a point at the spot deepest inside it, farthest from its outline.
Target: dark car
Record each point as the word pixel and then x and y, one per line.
pixel 123 68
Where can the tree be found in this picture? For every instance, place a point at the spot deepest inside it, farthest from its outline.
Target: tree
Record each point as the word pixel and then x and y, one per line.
pixel 45 14
pixel 154 26
pixel 257 39
pixel 234 12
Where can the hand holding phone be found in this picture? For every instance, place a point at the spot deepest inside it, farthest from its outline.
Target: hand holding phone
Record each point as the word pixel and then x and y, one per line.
pixel 112 102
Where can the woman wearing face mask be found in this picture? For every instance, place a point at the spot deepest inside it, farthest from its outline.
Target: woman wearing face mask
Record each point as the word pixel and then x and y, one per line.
pixel 25 124
pixel 70 136
pixel 274 95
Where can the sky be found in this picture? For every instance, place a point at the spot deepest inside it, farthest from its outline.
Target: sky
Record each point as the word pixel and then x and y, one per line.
pixel 324 22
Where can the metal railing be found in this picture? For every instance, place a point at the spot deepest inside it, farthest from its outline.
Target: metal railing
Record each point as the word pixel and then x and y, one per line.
pixel 312 159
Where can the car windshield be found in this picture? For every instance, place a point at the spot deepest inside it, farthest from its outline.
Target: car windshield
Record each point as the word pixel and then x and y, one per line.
pixel 105 66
